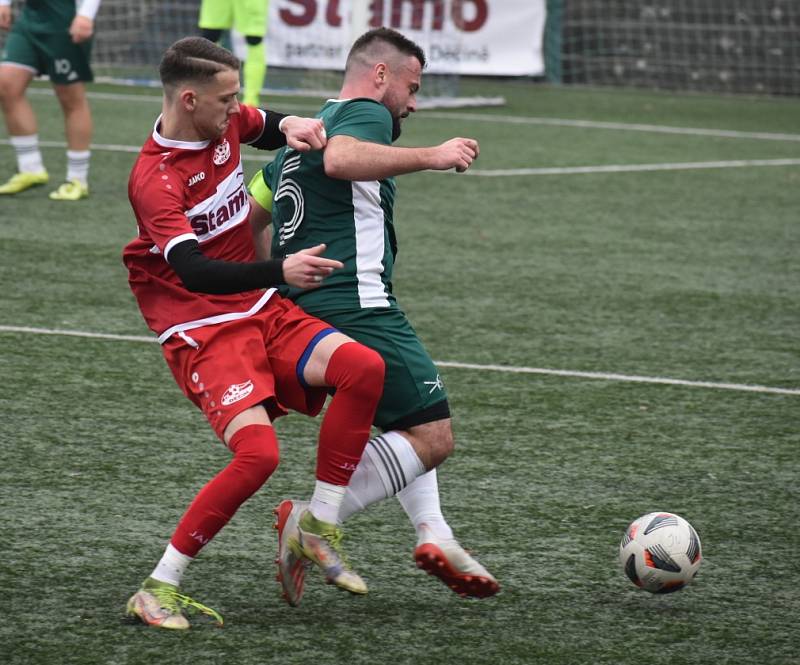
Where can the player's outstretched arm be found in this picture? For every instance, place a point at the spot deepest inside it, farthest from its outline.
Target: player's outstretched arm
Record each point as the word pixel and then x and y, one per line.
pixel 201 274
pixel 348 158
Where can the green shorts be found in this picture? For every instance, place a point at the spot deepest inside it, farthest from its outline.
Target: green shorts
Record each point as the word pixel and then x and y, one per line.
pixel 412 382
pixel 51 53
pixel 249 17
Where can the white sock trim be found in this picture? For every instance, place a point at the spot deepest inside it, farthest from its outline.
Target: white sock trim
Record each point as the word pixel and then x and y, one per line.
pixel 78 165
pixel 388 464
pixel 396 460
pixel 171 567
pixel 29 157
pixel 326 501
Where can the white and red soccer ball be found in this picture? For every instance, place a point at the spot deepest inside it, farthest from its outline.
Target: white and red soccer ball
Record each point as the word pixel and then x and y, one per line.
pixel 660 552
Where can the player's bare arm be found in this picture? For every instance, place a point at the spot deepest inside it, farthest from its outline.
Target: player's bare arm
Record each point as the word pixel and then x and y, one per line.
pixel 5 17
pixel 348 158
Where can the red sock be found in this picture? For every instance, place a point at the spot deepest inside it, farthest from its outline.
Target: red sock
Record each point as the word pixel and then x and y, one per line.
pixel 255 457
pixel 357 374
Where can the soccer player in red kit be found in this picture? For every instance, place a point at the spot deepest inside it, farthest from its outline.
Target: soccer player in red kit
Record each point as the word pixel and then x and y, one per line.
pixel 241 353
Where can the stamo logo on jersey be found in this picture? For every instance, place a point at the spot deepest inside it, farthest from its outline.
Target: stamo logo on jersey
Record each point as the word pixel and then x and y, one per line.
pixel 204 224
pixel 197 177
pixel 236 392
pixel 222 153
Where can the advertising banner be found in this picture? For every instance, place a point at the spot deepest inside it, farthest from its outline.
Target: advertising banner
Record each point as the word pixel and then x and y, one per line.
pixel 486 37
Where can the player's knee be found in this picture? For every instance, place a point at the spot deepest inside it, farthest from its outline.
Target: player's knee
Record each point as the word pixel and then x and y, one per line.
pixel 72 101
pixel 8 89
pixel 260 463
pixel 210 34
pixel 358 369
pixel 253 40
pixel 372 370
pixel 266 460
pixel 433 442
pixel 442 448
pixel 256 453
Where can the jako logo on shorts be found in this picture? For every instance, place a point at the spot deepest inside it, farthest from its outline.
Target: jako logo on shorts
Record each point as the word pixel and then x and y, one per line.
pixel 236 392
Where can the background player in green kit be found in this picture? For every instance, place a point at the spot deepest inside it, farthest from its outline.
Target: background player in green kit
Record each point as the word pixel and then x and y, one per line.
pixel 344 197
pixel 52 37
pixel 249 17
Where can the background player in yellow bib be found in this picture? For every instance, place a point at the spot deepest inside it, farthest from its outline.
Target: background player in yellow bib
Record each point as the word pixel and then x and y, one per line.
pixel 249 17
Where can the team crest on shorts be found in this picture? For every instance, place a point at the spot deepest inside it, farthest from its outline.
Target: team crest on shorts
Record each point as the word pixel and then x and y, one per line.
pixel 222 153
pixel 237 392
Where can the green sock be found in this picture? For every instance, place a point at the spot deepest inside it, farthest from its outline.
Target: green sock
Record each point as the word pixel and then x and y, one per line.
pixel 253 72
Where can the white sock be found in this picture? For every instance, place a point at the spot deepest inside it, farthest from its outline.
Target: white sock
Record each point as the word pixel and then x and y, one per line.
pixel 29 158
pixel 326 501
pixel 420 500
pixel 171 567
pixel 388 464
pixel 78 165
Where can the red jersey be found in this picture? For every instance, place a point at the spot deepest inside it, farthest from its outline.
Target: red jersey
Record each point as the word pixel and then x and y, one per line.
pixel 191 190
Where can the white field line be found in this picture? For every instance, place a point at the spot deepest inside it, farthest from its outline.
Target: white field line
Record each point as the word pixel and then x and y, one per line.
pixel 134 149
pixel 622 126
pixel 603 376
pixel 628 168
pixel 265 157
pixel 509 119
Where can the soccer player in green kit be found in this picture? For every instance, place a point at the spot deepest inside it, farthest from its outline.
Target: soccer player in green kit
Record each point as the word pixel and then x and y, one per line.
pixel 344 196
pixel 249 17
pixel 52 37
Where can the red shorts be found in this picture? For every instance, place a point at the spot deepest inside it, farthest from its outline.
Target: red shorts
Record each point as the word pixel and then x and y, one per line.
pixel 239 364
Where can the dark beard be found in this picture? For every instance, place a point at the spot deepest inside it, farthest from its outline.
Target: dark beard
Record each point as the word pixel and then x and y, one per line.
pixel 396 129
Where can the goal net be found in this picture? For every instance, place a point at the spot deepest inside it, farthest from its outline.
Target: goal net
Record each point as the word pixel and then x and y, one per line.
pixel 746 46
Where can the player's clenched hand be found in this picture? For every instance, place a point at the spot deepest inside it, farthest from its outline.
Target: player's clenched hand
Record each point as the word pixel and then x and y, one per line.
pixel 304 134
pixel 457 153
pixel 5 17
pixel 308 268
pixel 81 29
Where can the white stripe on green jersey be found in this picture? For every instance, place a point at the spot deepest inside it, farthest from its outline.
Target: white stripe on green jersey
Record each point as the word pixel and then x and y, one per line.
pixel 370 247
pixel 354 219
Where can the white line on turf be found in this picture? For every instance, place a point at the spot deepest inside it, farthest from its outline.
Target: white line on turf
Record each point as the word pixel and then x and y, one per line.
pixel 507 119
pixel 602 376
pixel 622 126
pixel 489 173
pixel 114 147
pixel 630 168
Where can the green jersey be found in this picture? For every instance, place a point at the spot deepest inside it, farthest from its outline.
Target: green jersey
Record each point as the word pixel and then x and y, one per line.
pixel 354 219
pixel 48 15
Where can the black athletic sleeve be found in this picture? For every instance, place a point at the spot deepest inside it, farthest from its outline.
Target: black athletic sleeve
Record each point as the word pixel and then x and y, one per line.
pixel 272 137
pixel 204 275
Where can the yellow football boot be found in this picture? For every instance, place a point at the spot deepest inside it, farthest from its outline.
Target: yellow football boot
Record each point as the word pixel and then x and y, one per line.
pixel 19 182
pixel 73 190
